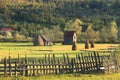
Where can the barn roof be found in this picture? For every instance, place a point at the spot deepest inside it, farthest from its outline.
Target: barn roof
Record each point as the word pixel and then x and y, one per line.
pixel 47 38
pixel 6 29
pixel 69 33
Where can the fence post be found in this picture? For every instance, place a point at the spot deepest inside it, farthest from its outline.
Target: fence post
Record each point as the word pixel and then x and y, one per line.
pixel 68 63
pixel 97 66
pixel 59 66
pixel 87 64
pixel 75 66
pixel 5 67
pixel 83 63
pixel 49 62
pixel 65 64
pixel 22 68
pixel 54 62
pixel 99 61
pixel 40 67
pixel 18 58
pixel 33 68
pixel 30 70
pixel 10 71
pixel 77 63
pixel 80 62
pixel 37 72
pixel 72 65
pixel 53 68
pixel 46 65
pixel 90 62
pixel 15 68
pixel 26 65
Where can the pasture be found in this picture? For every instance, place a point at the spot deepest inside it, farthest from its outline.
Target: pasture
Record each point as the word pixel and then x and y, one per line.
pixel 69 77
pixel 13 49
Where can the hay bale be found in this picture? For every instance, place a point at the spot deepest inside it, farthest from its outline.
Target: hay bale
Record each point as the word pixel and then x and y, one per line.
pixel 74 46
pixel 87 45
pixel 92 44
pixel 38 41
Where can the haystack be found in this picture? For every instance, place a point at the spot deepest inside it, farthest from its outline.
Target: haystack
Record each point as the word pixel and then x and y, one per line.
pixel 38 41
pixel 92 44
pixel 87 45
pixel 74 46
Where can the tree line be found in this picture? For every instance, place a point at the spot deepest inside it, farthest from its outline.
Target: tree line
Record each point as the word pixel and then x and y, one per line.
pixel 92 19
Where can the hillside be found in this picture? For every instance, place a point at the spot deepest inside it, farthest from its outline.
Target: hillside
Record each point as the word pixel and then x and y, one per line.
pixel 30 17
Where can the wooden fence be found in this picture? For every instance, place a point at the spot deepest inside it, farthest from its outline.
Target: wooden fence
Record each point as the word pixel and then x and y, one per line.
pixel 88 63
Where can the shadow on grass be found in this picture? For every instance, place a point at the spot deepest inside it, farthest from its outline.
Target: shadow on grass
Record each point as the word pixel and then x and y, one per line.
pixel 18 45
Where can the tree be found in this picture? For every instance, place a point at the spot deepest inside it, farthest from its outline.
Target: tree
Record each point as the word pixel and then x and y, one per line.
pixel 113 35
pixel 75 25
pixel 90 33
pixel 104 34
pixel 24 31
pixel 3 6
pixel 109 32
pixel 19 37
pixel 57 33
pixel 8 34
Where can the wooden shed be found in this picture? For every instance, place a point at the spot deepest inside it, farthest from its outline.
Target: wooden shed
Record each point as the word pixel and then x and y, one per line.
pixel 47 40
pixel 42 41
pixel 70 37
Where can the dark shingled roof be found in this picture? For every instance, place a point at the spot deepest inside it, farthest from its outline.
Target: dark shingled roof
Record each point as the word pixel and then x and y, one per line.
pixel 47 38
pixel 68 34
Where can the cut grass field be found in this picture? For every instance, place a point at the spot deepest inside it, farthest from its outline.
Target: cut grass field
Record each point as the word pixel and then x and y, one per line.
pixel 68 77
pixel 14 49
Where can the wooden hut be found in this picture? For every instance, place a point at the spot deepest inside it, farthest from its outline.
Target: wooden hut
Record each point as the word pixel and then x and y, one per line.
pixel 47 40
pixel 70 37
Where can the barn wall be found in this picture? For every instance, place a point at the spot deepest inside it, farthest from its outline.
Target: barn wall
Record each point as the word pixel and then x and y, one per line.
pixel 68 41
pixel 47 43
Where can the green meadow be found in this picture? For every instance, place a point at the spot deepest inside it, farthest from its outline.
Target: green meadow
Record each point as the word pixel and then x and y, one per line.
pixel 13 49
pixel 68 77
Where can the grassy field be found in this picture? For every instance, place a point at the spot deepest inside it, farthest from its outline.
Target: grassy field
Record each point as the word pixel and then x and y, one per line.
pixel 68 77
pixel 14 49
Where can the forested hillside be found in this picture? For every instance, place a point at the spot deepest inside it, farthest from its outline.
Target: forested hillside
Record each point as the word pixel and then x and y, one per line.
pixel 51 17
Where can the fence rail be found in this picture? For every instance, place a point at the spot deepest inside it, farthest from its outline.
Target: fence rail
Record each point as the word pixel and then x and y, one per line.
pixel 88 63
